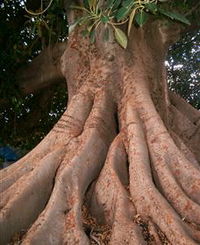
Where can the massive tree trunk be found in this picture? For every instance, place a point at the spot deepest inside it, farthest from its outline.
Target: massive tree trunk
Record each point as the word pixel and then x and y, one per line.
pixel 121 166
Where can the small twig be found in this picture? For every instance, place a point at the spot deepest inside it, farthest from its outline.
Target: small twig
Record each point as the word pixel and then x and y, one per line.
pixel 39 13
pixel 94 238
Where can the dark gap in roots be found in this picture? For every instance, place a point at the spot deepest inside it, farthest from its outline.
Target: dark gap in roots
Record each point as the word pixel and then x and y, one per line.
pixel 98 234
pixel 117 122
pixel 162 236
pixel 128 174
pixel 53 184
pixel 143 224
pixel 17 238
pixel 192 224
pixel 89 192
pixel 122 171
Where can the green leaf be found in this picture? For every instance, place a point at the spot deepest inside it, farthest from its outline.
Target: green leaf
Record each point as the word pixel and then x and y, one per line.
pixel 121 37
pixel 112 4
pixel 116 4
pixel 140 18
pixel 151 7
pixel 174 16
pixel 131 17
pixel 128 3
pixel 125 10
pixel 104 19
pixel 122 13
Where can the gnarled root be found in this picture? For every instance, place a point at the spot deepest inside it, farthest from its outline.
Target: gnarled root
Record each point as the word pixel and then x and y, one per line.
pixel 27 197
pixel 60 222
pixel 110 200
pixel 147 191
pixel 146 197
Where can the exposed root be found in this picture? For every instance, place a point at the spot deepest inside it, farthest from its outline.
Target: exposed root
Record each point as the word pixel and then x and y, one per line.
pixel 156 233
pixel 152 235
pixel 29 197
pixel 163 149
pixel 69 126
pixel 110 202
pixel 164 152
pixel 9 193
pixel 60 222
pixel 146 197
pixel 11 174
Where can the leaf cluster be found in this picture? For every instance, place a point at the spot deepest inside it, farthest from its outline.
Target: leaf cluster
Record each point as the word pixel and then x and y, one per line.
pixel 117 12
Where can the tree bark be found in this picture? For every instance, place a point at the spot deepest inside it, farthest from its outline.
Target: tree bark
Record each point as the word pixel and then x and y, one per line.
pixel 121 166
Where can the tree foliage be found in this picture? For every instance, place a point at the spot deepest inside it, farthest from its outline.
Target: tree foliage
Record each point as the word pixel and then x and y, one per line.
pixel 22 37
pixel 183 68
pixel 118 12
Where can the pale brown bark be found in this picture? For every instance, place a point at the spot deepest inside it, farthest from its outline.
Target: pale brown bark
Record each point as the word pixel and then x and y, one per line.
pixel 119 151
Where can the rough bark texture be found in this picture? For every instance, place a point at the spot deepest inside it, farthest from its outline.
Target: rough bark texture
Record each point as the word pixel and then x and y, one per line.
pixel 121 166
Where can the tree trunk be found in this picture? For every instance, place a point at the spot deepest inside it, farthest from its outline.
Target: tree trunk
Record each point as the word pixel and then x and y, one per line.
pixel 121 166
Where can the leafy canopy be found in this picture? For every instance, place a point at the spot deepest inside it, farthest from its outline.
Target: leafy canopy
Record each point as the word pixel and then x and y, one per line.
pixel 117 12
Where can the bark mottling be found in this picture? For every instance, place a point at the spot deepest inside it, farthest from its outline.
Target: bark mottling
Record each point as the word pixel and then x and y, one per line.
pixel 121 166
